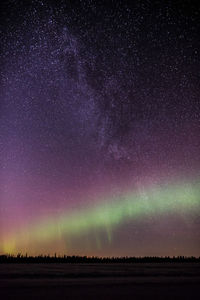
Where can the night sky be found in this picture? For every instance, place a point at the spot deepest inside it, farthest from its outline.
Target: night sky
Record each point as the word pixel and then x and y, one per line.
pixel 100 127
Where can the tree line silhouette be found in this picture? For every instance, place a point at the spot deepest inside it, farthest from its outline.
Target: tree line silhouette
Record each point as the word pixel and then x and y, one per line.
pixel 19 258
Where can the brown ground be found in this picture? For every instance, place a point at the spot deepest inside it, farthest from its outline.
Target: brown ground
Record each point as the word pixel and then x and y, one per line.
pixel 100 281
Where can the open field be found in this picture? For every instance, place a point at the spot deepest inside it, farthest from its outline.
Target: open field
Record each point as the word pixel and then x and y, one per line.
pixel 100 281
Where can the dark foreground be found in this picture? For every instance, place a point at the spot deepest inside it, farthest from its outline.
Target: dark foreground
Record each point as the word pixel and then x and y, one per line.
pixel 100 281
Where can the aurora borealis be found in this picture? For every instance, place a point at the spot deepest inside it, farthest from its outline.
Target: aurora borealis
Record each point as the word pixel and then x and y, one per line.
pixel 109 215
pixel 100 128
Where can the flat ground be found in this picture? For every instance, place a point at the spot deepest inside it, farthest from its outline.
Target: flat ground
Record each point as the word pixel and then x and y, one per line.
pixel 100 281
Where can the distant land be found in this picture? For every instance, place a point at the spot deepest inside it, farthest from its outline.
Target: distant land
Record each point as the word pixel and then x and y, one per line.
pixel 94 259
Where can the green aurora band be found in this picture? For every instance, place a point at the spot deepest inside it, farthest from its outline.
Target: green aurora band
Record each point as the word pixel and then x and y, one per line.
pixel 181 199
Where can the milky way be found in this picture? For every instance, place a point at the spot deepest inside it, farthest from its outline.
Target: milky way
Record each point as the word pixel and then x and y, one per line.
pixel 100 128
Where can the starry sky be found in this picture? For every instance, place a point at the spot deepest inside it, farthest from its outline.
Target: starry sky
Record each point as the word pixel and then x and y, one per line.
pixel 100 127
